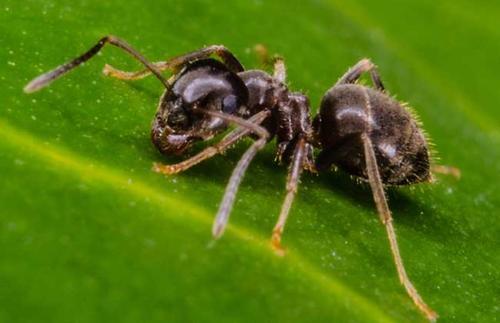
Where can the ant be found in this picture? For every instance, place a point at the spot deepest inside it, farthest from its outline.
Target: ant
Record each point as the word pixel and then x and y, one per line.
pixel 360 129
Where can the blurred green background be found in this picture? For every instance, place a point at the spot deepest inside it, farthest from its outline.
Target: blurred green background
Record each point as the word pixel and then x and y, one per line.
pixel 88 233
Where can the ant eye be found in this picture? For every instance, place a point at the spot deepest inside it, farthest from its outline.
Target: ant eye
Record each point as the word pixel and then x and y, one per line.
pixel 230 104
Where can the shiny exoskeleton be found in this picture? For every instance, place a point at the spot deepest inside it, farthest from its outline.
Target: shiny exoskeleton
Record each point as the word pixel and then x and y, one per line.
pixel 205 83
pixel 210 85
pixel 360 129
pixel 347 111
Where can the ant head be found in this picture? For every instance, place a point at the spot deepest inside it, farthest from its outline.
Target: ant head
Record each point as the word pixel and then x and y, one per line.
pixel 205 84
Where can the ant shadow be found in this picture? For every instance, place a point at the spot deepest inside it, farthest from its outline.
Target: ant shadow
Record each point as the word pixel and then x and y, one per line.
pixel 407 210
pixel 218 169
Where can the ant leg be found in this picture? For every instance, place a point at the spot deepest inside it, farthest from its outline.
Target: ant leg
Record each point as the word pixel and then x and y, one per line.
pixel 294 172
pixel 211 151
pixel 111 71
pixel 46 78
pixel 279 69
pixel 386 218
pixel 446 170
pixel 355 72
pixel 226 205
pixel 174 64
pixel 278 63
pixel 221 51
pixel 262 55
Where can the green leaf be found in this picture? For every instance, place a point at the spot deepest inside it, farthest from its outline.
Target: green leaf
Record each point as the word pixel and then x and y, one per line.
pixel 89 233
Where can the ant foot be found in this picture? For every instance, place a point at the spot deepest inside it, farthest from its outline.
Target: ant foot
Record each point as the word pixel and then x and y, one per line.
pixel 164 169
pixel 276 244
pixel 447 170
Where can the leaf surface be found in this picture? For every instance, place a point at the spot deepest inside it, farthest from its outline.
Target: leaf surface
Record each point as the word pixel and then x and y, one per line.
pixel 89 233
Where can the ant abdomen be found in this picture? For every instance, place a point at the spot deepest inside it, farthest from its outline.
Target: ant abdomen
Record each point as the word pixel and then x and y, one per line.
pixel 400 147
pixel 206 84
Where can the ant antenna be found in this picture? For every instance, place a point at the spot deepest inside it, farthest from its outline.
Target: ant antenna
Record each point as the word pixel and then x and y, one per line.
pixel 47 78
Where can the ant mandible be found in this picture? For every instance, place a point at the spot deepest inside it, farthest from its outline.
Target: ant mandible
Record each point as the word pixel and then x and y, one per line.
pixel 360 129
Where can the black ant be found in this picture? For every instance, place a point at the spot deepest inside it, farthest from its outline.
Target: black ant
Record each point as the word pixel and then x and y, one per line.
pixel 360 129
